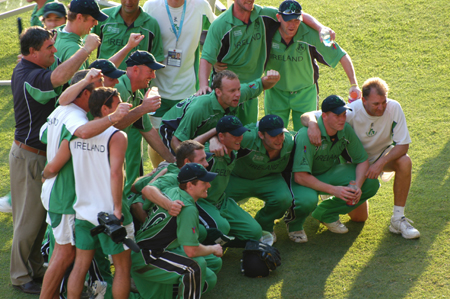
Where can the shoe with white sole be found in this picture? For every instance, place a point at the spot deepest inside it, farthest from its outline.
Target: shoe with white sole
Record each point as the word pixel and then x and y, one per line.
pixel 336 227
pixel 97 290
pixel 5 204
pixel 402 226
pixel 298 236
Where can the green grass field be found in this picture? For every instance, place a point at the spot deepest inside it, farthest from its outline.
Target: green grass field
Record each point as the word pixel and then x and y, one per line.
pixel 407 44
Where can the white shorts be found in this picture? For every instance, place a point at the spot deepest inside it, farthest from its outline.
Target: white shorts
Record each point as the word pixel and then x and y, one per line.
pixel 62 227
pixel 130 234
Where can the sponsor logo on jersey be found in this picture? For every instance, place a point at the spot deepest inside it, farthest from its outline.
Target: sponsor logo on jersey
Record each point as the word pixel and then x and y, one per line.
pixel 237 33
pixel 275 45
pixel 112 29
pixel 193 230
pixel 258 158
pixel 252 86
pixel 371 133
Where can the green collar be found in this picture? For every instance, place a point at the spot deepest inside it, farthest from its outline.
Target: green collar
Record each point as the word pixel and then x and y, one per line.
pixel 228 17
pixel 324 133
pixel 141 19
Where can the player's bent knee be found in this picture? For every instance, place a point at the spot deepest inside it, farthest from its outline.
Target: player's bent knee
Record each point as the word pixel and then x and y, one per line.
pixel 361 213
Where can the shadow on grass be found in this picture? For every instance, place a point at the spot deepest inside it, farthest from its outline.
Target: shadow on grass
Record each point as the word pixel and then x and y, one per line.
pixel 307 266
pixel 397 264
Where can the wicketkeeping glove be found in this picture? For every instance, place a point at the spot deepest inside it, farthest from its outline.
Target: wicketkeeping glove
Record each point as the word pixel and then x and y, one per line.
pixel 268 254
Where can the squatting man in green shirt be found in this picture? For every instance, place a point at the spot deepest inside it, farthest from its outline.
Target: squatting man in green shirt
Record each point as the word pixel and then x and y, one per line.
pixel 317 170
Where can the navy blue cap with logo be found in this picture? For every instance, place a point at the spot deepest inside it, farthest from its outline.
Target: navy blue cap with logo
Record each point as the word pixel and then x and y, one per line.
pixel 144 58
pixel 108 68
pixel 231 124
pixel 334 104
pixel 56 8
pixel 88 7
pixel 194 171
pixel 290 10
pixel 272 124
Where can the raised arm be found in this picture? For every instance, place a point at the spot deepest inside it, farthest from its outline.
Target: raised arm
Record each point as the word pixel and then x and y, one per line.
pixel 315 24
pixel 133 42
pixel 64 72
pixel 71 93
pixel 97 126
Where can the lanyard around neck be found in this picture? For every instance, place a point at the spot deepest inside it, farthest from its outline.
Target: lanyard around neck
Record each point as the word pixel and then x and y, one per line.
pixel 175 31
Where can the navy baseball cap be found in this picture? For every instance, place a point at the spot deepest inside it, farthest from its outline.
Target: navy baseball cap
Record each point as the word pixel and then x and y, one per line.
pixel 290 10
pixel 108 68
pixel 334 104
pixel 231 124
pixel 144 58
pixel 193 171
pixel 88 7
pixel 56 8
pixel 272 124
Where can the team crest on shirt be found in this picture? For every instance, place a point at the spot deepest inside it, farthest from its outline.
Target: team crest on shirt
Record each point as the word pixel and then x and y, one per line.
pixel 275 45
pixel 257 24
pixel 300 47
pixel 112 29
pixel 237 33
pixel 371 133
pixel 193 230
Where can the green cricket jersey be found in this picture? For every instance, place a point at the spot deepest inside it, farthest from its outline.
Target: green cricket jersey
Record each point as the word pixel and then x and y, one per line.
pixel 197 115
pixel 36 14
pixel 67 44
pixel 253 161
pixel 241 46
pixel 319 159
pixel 115 34
pixel 294 61
pixel 162 231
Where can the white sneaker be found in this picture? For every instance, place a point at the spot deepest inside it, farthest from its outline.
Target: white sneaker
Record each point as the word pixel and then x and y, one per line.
pixel 298 236
pixel 97 290
pixel 5 204
pixel 402 226
pixel 336 227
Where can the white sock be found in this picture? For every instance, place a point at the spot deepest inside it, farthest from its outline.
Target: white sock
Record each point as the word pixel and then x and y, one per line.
pixel 399 212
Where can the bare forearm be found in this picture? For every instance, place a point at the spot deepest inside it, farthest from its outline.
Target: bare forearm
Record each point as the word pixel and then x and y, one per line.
pixel 132 116
pixel 312 22
pixel 206 136
pixel 308 118
pixel 117 188
pixel 68 68
pixel 200 250
pixel 204 71
pixel 398 151
pixel 347 65
pixel 175 143
pixel 93 128
pixel 361 170
pixel 155 196
pixel 310 181
pixel 153 139
pixel 120 55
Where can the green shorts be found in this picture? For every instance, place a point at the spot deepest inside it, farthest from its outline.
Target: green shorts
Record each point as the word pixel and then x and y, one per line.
pixel 84 240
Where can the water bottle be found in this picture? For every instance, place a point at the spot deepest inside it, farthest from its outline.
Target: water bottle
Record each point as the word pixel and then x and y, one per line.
pixel 352 185
pixel 150 93
pixel 326 37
